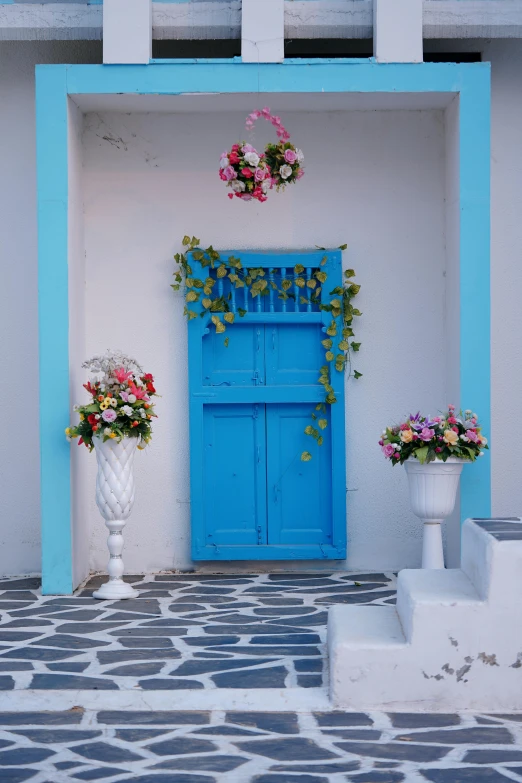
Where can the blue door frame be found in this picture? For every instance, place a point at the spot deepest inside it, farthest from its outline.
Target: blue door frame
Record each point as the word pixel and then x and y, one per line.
pixel 232 423
pixel 57 84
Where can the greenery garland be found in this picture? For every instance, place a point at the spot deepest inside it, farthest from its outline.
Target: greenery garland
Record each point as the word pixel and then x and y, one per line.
pixel 254 279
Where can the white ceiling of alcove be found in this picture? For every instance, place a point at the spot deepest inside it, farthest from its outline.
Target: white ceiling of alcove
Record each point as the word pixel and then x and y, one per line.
pixel 280 102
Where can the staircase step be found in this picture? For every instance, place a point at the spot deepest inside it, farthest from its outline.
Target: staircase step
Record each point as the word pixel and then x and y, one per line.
pixel 367 627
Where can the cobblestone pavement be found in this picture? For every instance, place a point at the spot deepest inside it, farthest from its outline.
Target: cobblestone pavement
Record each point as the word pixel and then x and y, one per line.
pixel 183 632
pixel 206 635
pixel 258 747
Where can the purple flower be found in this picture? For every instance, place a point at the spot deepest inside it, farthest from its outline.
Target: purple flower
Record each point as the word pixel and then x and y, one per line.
pixel 229 173
pixel 290 156
pixel 124 396
pixel 388 450
pixel 427 434
pixel 109 415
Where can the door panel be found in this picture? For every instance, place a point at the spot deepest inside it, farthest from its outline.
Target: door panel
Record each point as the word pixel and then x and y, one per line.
pixel 235 471
pixel 294 354
pixel 299 493
pixel 241 362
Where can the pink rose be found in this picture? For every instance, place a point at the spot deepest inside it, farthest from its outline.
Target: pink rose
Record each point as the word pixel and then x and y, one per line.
pixel 388 450
pixel 472 436
pixel 229 173
pixel 109 415
pixel 300 174
pixel 397 455
pixel 247 173
pixel 290 156
pixel 259 175
pixel 452 420
pixel 427 434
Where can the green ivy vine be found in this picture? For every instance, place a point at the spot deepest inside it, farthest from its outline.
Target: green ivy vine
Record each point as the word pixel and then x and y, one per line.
pixel 255 280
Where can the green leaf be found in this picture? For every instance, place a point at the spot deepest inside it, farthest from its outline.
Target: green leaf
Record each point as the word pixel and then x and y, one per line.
pixel 324 259
pixel 332 329
pixel 229 318
pixel 299 282
pixel 306 456
pixel 191 297
pixel 186 240
pixel 321 276
pixel 206 303
pixel 309 430
pixel 320 440
pixel 323 423
pixel 343 247
pixel 241 312
pixel 311 283
pixel 226 342
pixel 220 328
pixel 298 269
pixel 421 454
pixel 329 356
pixel 357 374
pixel 349 273
pixel 343 345
pixel 221 270
pixel 355 346
pixel 327 343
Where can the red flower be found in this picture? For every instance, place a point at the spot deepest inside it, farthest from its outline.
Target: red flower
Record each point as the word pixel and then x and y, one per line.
pixel 452 420
pixel 233 157
pixel 91 389
pixel 455 429
pixel 222 176
pixel 235 147
pixel 247 173
pixel 91 418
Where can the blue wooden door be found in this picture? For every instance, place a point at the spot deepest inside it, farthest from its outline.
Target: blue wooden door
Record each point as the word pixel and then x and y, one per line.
pixel 250 400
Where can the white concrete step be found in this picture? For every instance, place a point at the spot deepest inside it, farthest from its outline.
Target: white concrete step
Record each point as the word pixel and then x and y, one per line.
pixel 426 598
pixel 454 641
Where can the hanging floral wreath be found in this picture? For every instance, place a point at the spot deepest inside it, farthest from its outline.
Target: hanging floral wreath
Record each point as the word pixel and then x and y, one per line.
pixel 251 175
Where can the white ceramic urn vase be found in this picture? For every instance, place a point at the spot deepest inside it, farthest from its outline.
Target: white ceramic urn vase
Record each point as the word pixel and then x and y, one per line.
pixel 433 491
pixel 115 499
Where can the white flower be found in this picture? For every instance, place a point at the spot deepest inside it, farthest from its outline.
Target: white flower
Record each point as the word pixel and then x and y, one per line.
pixel 237 186
pixel 142 413
pixel 107 431
pixel 114 402
pixel 131 398
pixel 285 171
pixel 223 162
pixel 97 416
pixel 468 412
pixel 127 410
pixel 474 416
pixel 265 185
pixel 464 438
pixel 252 158
pixel 481 454
pixel 300 155
pixel 76 408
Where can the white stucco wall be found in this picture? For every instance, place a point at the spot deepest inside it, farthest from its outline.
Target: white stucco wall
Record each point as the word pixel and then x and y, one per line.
pixel 151 178
pixel 359 226
pixel 19 449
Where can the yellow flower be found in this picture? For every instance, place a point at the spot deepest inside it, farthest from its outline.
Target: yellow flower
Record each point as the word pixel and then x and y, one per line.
pixel 82 417
pixel 112 435
pixel 406 436
pixel 104 405
pixel 451 437
pixel 67 430
pixel 107 400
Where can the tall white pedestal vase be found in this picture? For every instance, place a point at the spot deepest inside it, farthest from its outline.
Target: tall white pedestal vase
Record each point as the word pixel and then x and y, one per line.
pixel 115 499
pixel 433 491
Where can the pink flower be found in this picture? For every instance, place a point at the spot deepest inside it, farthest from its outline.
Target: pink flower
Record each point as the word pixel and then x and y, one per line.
pixel 300 174
pixel 451 407
pixel 404 427
pixel 229 173
pixel 259 175
pixel 472 436
pixel 427 434
pixel 247 173
pixel 438 449
pixel 452 420
pixel 122 376
pixel 125 396
pixel 248 148
pixel 290 156
pixel 139 392
pixel 109 415
pixel 388 450
pixel 397 455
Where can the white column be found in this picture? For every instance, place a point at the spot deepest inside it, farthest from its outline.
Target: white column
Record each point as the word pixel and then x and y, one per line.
pixel 397 31
pixel 263 31
pixel 127 31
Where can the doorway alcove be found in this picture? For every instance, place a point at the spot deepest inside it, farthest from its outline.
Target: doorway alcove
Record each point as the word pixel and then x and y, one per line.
pixel 398 167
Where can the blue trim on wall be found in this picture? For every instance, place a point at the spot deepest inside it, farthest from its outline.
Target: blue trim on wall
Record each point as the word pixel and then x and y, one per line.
pixel 54 82
pixel 475 341
pixel 53 319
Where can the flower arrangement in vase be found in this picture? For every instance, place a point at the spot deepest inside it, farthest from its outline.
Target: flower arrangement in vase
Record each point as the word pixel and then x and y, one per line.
pixel 434 452
pixel 116 419
pixel 251 175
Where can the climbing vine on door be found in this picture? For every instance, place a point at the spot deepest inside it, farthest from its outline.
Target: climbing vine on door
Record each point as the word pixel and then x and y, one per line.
pixel 301 286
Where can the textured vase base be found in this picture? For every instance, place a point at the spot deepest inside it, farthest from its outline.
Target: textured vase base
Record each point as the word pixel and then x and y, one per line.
pixel 115 589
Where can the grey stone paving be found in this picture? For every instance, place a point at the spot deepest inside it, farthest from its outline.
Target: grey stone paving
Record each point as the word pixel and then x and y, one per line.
pixel 197 633
pixel 183 632
pixel 258 747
